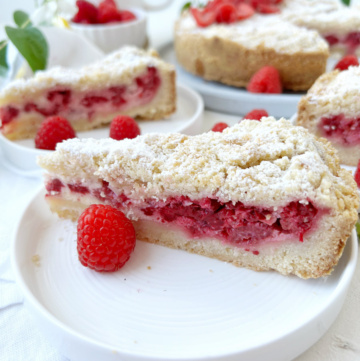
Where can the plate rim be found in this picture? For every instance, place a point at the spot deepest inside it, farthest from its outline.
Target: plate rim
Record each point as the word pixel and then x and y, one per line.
pixel 340 289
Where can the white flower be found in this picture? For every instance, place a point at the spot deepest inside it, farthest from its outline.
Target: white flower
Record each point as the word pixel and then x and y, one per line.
pixel 49 11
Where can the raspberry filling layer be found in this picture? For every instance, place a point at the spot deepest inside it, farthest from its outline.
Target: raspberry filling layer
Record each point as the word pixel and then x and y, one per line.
pixel 342 130
pixel 350 42
pixel 75 105
pixel 202 218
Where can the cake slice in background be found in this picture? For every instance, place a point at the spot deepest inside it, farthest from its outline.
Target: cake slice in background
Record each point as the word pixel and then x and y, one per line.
pixel 261 195
pixel 130 81
pixel 331 109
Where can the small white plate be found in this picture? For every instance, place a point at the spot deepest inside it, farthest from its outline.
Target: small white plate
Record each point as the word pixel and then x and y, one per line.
pixel 20 156
pixel 227 99
pixel 167 304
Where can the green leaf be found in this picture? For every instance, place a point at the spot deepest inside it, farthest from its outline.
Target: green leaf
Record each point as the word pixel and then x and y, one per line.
pixel 358 229
pixel 4 67
pixel 186 6
pixel 22 19
pixel 346 2
pixel 31 44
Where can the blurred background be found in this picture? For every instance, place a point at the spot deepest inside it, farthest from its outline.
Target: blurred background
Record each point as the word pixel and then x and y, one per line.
pixel 159 35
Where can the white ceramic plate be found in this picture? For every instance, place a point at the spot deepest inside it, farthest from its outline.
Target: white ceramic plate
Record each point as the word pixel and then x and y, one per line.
pixel 167 304
pixel 20 156
pixel 227 99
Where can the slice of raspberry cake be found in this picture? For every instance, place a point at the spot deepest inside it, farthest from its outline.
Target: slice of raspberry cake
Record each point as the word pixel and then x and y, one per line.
pixel 330 109
pixel 261 195
pixel 130 81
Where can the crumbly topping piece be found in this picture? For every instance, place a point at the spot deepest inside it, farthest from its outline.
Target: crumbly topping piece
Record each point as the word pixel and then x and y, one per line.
pixel 269 31
pixel 336 92
pixel 268 164
pixel 120 66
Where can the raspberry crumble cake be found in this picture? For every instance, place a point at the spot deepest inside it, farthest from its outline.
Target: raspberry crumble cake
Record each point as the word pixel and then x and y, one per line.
pixel 294 36
pixel 232 52
pixel 130 81
pixel 261 195
pixel 330 109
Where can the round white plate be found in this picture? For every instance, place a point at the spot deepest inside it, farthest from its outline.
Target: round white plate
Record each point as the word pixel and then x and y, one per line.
pixel 167 304
pixel 20 156
pixel 227 99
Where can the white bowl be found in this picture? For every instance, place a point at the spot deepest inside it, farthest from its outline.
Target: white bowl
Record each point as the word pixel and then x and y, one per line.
pixel 110 37
pixel 165 304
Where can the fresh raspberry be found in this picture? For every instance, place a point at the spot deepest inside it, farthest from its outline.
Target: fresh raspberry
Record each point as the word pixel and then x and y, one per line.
pixel 332 39
pixel 219 127
pixel 105 238
pixel 123 126
pixel 267 8
pixel 87 13
pixel 346 61
pixel 108 13
pixel 244 11
pixel 203 17
pixel 53 130
pixel 265 80
pixel 357 175
pixel 256 114
pixel 226 13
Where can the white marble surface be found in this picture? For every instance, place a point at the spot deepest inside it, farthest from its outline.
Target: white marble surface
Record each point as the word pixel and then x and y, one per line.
pixel 19 338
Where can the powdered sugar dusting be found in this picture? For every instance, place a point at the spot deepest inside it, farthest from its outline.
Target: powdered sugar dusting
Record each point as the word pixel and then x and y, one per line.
pixel 337 86
pixel 253 162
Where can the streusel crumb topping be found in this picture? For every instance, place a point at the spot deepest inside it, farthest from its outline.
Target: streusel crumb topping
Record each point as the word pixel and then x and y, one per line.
pixel 334 93
pixel 267 163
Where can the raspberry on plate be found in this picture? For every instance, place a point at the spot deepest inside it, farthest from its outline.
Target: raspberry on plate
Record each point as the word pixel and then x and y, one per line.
pixel 256 114
pixel 123 126
pixel 357 175
pixel 346 61
pixel 219 127
pixel 265 80
pixel 105 238
pixel 53 130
